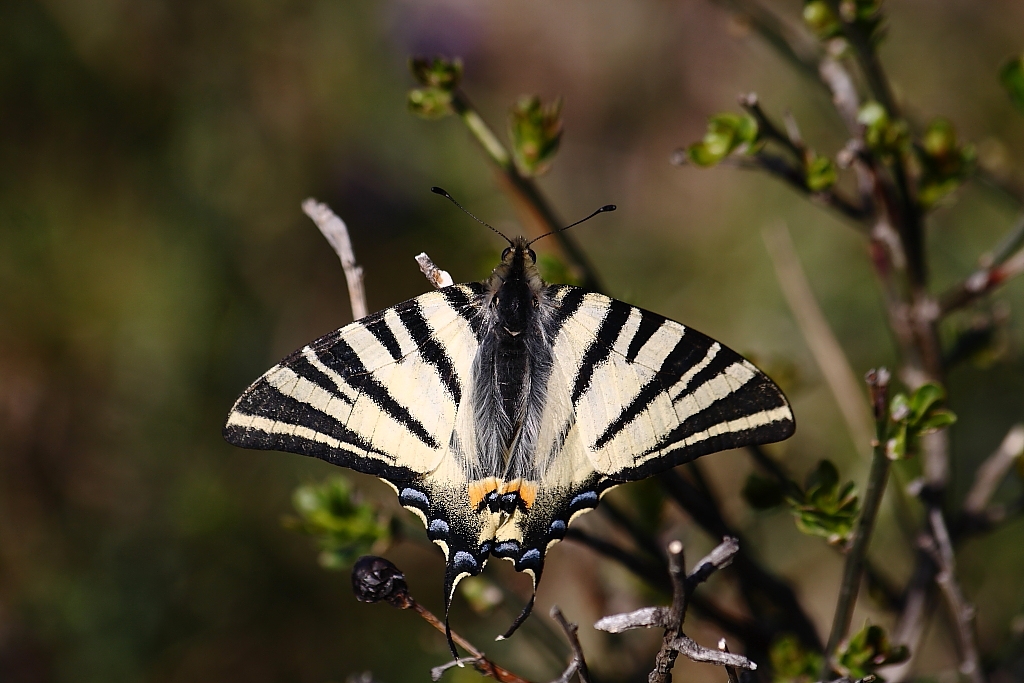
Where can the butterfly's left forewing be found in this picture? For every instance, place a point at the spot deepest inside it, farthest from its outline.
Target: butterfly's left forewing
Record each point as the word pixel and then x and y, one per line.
pixel 388 396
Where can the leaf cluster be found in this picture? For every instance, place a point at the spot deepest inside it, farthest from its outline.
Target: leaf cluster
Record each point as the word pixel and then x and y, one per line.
pixel 866 650
pixel 824 507
pixel 344 526
pixel 726 133
pixel 535 130
pixel 913 416
pixel 440 77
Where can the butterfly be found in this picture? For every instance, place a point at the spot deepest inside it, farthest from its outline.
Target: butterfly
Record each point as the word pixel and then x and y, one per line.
pixel 501 410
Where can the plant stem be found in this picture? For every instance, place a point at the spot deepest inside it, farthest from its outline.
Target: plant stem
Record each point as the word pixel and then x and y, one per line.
pixel 524 190
pixel 878 381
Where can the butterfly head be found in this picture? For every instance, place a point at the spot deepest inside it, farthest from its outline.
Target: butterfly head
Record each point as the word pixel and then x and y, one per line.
pixel 515 287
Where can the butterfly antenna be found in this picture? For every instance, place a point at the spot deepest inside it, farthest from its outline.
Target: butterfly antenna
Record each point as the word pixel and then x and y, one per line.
pixel 443 193
pixel 606 207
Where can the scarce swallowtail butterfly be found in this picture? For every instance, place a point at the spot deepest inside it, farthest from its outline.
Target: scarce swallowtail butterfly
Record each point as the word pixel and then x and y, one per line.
pixel 501 410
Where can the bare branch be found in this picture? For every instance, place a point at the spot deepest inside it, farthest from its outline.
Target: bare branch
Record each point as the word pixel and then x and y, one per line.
pixel 435 275
pixel 961 610
pixel 645 617
pixel 699 653
pixel 438 671
pixel 1004 263
pixel 820 339
pixel 844 92
pixel 334 229
pixel 570 633
pixel 730 671
pixel 718 558
pixel 993 471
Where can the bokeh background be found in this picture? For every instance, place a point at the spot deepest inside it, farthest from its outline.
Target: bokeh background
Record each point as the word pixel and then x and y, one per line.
pixel 154 261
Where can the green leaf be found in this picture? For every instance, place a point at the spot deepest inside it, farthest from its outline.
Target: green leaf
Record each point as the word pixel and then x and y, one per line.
pixel 345 527
pixel 937 419
pixel 945 163
pixel 763 493
pixel 1011 75
pixel 926 396
pixel 430 103
pixel 864 652
pixel 791 663
pixel 821 174
pixel 536 131
pixel 437 72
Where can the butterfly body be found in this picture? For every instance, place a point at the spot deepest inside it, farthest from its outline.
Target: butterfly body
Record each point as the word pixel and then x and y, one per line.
pixel 501 410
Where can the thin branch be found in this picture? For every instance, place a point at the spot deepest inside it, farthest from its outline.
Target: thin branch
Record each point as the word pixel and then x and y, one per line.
pixel 671 618
pixel 376 579
pixel 436 276
pixel 1004 263
pixel 334 229
pixel 578 659
pixel 993 471
pixel 824 346
pixel 961 610
pixel 845 98
pixel 769 130
pixel 878 384
pixel 794 45
pixel 524 190
pixel 730 671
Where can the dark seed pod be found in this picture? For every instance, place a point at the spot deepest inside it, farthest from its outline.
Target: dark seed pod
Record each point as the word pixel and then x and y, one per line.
pixel 375 579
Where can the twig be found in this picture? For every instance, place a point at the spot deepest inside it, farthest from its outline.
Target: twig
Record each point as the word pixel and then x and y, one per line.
pixel 437 277
pixel 834 364
pixel 961 610
pixel 671 618
pixel 578 660
pixel 770 599
pixel 376 579
pixel 993 471
pixel 747 631
pixel 844 93
pixel 524 190
pixel 878 384
pixel 750 103
pixel 794 45
pixel 1004 263
pixel 334 229
pixel 730 671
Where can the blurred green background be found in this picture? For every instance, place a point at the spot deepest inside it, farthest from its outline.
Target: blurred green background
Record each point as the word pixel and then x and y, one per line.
pixel 154 261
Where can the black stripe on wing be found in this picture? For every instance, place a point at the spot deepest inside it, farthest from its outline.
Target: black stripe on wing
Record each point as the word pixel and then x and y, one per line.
pixel 431 350
pixel 340 357
pixel 600 347
pixel 690 350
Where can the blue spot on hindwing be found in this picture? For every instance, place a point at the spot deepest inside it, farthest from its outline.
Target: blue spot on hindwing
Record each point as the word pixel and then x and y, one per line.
pixel 414 497
pixel 531 555
pixel 585 499
pixel 463 559
pixel 438 526
pixel 557 526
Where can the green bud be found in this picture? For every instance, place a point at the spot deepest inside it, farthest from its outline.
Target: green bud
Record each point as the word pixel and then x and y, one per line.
pixel 536 131
pixel 821 174
pixel 945 164
pixel 864 652
pixel 881 133
pixel 437 72
pixel 726 133
pixel 819 18
pixel 1011 75
pixel 430 103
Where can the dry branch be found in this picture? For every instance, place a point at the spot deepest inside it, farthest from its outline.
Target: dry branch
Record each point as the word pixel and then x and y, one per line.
pixel 334 229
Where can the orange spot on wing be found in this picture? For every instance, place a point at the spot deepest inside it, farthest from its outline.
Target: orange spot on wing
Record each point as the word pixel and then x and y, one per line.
pixel 480 488
pixel 528 492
